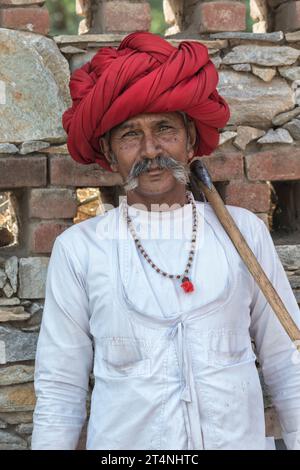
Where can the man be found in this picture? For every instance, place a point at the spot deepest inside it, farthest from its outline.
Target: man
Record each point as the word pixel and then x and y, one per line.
pixel 152 297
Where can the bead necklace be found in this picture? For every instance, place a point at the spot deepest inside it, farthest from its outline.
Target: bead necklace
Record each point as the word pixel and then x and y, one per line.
pixel 186 284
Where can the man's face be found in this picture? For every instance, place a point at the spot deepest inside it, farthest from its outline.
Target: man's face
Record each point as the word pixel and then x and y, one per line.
pixel 145 137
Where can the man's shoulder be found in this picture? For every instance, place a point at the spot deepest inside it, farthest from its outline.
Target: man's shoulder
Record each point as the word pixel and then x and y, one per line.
pixel 84 233
pixel 249 224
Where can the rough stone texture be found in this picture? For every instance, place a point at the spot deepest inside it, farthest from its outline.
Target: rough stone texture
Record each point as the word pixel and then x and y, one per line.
pixel 226 136
pixel 78 60
pixel 276 36
pixel 287 17
pixel 9 302
pixel 24 428
pixel 3 278
pixel 246 134
pixel 3 425
pixel 245 95
pixel 11 269
pixel 262 55
pixel 32 146
pixel 59 149
pixel 216 60
pixel 7 289
pixel 294 281
pixel 16 345
pixel 283 118
pixel 16 374
pixel 32 277
pixel 252 196
pixel 42 235
pixel 122 16
pixel 66 172
pixel 10 441
pixel 13 315
pixel 291 73
pixel 8 148
pixel 21 172
pixel 289 256
pixel 297 96
pixel 17 398
pixel 293 127
pixel 293 37
pixel 266 74
pixel 52 203
pixel 271 165
pixel 242 67
pixel 276 136
pixel 34 19
pixel 220 16
pixel 33 108
pixel 17 418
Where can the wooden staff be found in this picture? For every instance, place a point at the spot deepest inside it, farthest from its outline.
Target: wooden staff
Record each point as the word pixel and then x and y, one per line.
pixel 200 172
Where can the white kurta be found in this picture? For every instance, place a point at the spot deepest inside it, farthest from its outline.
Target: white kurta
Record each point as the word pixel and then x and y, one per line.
pixel 172 370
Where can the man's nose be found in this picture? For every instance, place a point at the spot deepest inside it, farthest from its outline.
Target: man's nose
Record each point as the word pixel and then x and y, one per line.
pixel 150 146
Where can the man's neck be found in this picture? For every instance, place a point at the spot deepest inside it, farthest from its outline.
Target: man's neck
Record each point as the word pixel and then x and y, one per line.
pixel 158 202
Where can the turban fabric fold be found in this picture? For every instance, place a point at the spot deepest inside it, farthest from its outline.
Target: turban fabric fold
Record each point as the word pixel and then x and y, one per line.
pixel 145 74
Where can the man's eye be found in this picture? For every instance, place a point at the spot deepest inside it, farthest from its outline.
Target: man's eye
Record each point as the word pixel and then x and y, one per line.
pixel 129 134
pixel 163 128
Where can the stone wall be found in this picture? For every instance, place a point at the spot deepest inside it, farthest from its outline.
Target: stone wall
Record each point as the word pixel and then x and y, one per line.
pixel 256 166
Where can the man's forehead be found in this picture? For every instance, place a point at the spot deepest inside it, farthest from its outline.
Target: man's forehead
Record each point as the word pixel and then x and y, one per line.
pixel 149 117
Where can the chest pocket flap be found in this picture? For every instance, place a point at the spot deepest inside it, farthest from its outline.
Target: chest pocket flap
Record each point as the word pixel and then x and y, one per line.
pixel 124 357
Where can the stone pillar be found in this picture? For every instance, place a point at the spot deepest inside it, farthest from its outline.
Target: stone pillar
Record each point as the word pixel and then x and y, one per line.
pixel 259 13
pixel 120 16
pixel 286 15
pixel 84 8
pixel 25 15
pixel 173 12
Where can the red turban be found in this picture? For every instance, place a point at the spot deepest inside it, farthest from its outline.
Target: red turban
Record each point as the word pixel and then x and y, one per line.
pixel 144 75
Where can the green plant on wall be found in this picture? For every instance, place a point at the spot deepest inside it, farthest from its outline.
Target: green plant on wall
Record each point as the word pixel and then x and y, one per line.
pixel 64 19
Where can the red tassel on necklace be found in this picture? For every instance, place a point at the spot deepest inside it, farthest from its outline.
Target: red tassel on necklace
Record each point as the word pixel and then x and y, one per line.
pixel 187 285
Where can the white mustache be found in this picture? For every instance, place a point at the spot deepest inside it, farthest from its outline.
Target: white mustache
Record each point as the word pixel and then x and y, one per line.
pixel 180 170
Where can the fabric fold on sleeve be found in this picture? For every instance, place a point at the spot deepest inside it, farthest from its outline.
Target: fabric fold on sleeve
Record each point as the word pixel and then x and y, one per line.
pixel 64 355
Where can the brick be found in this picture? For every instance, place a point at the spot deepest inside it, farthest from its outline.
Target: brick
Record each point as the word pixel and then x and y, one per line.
pixel 21 2
pixel 287 17
pixel 224 166
pixel 52 203
pixel 21 172
pixel 274 165
pixel 34 19
pixel 17 398
pixel 42 235
pixel 64 171
pixel 252 196
pixel 122 16
pixel 220 16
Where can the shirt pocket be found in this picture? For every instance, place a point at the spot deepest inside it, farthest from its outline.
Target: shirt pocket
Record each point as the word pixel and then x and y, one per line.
pixel 124 357
pixel 229 348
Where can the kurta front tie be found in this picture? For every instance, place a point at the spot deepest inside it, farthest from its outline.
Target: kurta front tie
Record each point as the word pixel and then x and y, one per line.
pixel 187 395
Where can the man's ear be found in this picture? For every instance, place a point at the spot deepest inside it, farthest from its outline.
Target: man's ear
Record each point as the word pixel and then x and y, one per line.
pixel 105 149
